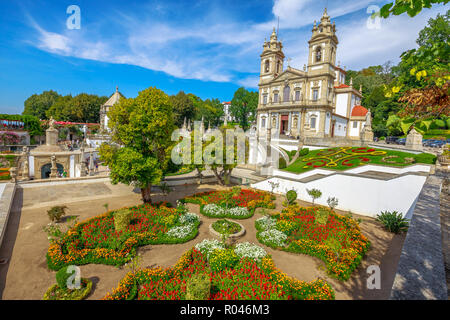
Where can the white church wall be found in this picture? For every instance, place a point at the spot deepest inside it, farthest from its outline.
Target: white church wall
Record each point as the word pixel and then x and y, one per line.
pixel 354 132
pixel 340 127
pixel 341 104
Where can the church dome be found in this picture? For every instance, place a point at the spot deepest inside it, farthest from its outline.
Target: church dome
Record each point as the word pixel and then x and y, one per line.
pixel 359 111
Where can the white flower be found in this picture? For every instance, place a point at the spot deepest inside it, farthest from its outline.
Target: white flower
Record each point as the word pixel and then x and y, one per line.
pixel 213 209
pixel 180 231
pixel 207 246
pixel 266 222
pixel 237 211
pixel 249 250
pixel 189 218
pixel 275 236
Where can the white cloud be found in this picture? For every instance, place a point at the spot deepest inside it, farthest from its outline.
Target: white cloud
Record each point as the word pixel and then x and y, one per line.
pixel 223 49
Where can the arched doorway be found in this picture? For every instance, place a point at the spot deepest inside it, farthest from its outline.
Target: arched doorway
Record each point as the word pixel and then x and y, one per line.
pixel 46 170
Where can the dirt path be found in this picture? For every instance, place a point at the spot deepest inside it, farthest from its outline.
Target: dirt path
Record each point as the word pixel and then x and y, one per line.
pixel 26 275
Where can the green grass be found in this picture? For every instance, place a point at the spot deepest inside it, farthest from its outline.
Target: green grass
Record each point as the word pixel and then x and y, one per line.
pixel 183 170
pixel 347 159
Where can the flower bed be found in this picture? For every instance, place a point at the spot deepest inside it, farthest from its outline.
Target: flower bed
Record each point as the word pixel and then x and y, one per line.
pixel 338 242
pixel 241 205
pixel 343 158
pixel 224 226
pixel 96 240
pixel 247 279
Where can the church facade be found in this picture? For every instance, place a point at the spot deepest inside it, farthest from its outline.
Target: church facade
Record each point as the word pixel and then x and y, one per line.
pixel 313 102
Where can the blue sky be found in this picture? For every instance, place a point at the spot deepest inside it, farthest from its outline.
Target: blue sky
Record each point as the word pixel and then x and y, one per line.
pixel 209 48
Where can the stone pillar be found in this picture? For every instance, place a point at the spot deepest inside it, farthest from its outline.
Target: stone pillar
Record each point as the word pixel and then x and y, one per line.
pixel 26 166
pixel 321 132
pixel 91 163
pixel 83 168
pixel 414 140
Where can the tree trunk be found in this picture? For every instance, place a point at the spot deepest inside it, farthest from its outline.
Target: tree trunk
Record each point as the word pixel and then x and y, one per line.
pixel 146 194
pixel 219 179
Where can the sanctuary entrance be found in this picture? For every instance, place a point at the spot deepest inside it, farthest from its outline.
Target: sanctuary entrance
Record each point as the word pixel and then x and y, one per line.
pixel 284 124
pixel 46 170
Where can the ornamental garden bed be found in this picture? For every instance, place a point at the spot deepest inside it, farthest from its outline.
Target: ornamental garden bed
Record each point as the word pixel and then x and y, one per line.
pixel 343 158
pixel 242 272
pixel 96 240
pixel 333 238
pixel 235 203
pixel 228 229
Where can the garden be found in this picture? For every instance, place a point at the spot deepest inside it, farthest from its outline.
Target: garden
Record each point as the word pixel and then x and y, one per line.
pixel 211 271
pixel 333 238
pixel 235 203
pixel 112 238
pixel 343 158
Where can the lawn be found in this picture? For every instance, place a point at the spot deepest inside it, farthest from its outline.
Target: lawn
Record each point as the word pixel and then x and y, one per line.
pixel 343 158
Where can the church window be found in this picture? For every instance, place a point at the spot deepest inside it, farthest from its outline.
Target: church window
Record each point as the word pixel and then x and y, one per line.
pixel 286 93
pixel 263 122
pixel 267 66
pixel 318 54
pixel 278 66
pixel 297 95
pixel 275 97
pixel 313 123
pixel 264 98
pixel 355 124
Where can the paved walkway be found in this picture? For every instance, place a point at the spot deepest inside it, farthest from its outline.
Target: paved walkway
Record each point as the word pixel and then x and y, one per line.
pixel 421 274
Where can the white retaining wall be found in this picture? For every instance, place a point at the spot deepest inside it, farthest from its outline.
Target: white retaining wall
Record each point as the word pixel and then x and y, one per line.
pixel 360 195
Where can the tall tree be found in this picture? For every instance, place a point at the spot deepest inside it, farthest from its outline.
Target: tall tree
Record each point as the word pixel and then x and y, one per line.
pixel 243 106
pixel 143 127
pixel 183 107
pixel 38 104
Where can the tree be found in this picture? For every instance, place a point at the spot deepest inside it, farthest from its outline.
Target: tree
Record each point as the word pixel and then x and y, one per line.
pixel 314 194
pixel 412 7
pixel 38 104
pixel 422 85
pixel 81 108
pixel 243 106
pixel 183 107
pixel 142 126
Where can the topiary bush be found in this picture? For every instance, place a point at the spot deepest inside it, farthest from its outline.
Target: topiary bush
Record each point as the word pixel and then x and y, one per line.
pixel 62 276
pixel 303 152
pixel 122 219
pixel 281 163
pixel 291 196
pixel 198 287
pixel 322 216
pixel 393 221
pixel 56 213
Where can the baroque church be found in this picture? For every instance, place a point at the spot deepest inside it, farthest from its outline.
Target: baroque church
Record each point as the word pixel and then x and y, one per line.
pixel 314 102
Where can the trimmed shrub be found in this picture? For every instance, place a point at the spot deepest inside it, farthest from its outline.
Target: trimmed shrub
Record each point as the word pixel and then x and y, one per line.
pixel 122 219
pixel 322 216
pixel 62 276
pixel 198 287
pixel 291 196
pixel 56 213
pixel 303 152
pixel 393 221
pixel 281 163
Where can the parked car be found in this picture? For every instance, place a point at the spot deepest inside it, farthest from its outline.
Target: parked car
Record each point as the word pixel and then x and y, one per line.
pixel 438 143
pixel 391 139
pixel 401 141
